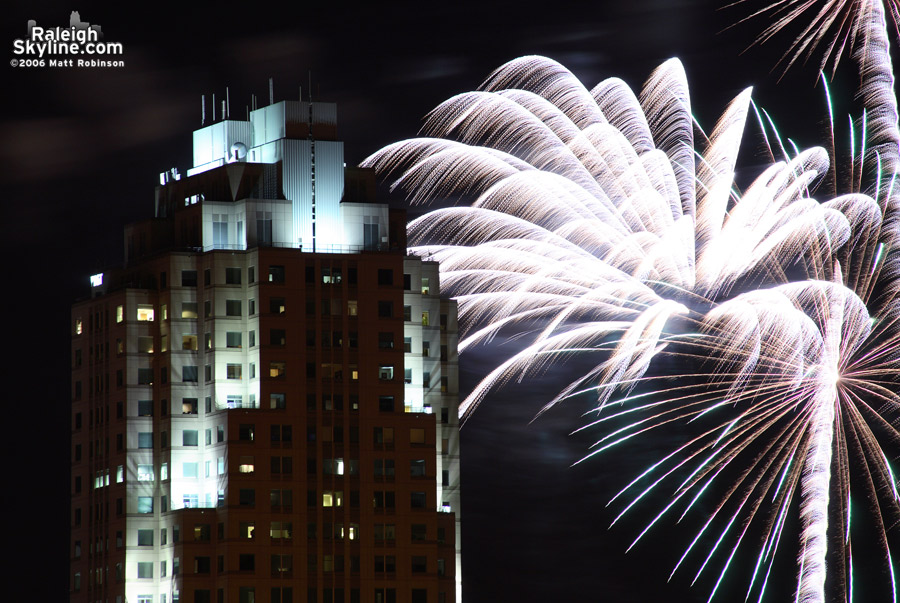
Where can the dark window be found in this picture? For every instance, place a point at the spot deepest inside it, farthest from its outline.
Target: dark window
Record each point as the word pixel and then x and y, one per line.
pixel 386 341
pixel 232 276
pixel 385 276
pixel 385 309
pixel 247 497
pixel 407 282
pixel 188 278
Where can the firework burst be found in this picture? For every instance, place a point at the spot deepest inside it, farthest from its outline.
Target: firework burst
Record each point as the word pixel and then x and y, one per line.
pixel 594 226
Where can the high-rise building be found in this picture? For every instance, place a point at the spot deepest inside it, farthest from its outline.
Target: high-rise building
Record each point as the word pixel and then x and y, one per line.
pixel 264 398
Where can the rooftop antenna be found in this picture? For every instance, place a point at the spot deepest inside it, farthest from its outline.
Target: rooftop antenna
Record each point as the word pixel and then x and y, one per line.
pixel 227 103
pixel 214 107
pixel 271 91
pixel 223 110
pixel 202 110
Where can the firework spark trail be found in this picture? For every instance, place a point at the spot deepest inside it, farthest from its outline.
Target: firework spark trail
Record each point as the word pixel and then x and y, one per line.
pixel 594 227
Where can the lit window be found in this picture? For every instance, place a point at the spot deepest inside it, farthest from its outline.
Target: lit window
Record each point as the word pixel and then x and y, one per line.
pixel 189 342
pixel 163 343
pixel 189 310
pixel 120 313
pixel 280 529
pixel 145 439
pixel 276 274
pixel 416 435
pixel 386 373
pixel 246 528
pixel 190 469
pixel 277 369
pixel 425 287
pixel 276 400
pixel 332 498
pixel 190 501
pixel 164 471
pixel 164 311
pixel 233 371
pixel 145 313
pixel 425 318
pixel 234 401
pixel 189 406
pixel 352 307
pixel 247 465
pixel 145 473
pixel 276 305
pixel 145 504
pixel 120 474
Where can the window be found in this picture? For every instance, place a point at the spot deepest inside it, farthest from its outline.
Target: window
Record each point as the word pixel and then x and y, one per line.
pixel 145 344
pixel 145 537
pixel 251 339
pixel 120 313
pixel 276 274
pixel 245 529
pixel 417 500
pixel 386 403
pixel 202 565
pixel 352 307
pixel 145 504
pixel 386 341
pixel 144 313
pixel 332 498
pixel 188 278
pixel 386 564
pixel 145 408
pixel 145 376
pixel 236 400
pixel 277 369
pixel 416 435
pixel 407 345
pixel 247 465
pixel 189 310
pixel 189 342
pixel 145 569
pixel 189 374
pixel 190 469
pixel 385 309
pixel 386 372
pixel 277 337
pixel 385 531
pixel 232 307
pixel 233 371
pixel 252 310
pixel 385 276
pixel 417 468
pixel 232 276
pixel 246 432
pixel 276 305
pixel 384 435
pixel 276 400
pixel 190 437
pixel 384 468
pixel 384 499
pixel 247 562
pixel 189 406
pixel 233 339
pixel 145 473
pixel 419 564
pixel 145 439
pixel 282 564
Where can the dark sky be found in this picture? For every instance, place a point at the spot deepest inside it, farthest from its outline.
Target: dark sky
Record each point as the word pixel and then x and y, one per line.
pixel 81 150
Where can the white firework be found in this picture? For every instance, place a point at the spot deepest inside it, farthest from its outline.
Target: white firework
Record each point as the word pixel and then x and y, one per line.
pixel 594 225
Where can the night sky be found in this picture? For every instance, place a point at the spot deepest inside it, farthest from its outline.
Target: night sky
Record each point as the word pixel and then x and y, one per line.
pixel 81 150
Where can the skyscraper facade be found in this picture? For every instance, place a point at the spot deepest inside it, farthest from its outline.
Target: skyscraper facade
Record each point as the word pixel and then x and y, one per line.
pixel 264 398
